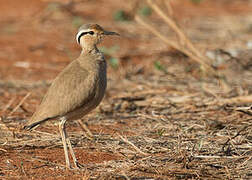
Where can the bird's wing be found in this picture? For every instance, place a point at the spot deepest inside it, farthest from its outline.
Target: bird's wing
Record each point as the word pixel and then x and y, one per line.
pixel 64 94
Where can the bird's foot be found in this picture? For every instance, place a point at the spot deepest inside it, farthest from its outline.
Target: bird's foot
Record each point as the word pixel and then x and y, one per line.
pixel 78 165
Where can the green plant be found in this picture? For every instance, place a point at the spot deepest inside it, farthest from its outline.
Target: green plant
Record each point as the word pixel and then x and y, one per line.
pixel 159 66
pixel 145 11
pixel 160 132
pixel 196 1
pixel 77 21
pixel 114 62
pixel 120 15
pixel 109 51
pixel 53 6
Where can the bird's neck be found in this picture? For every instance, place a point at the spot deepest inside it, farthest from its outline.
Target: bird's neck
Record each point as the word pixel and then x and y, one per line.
pixel 92 53
pixel 89 50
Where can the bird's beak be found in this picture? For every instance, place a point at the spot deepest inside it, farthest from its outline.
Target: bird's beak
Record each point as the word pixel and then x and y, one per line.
pixel 110 33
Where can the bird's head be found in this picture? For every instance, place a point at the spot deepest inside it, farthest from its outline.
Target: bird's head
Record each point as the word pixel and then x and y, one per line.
pixel 89 35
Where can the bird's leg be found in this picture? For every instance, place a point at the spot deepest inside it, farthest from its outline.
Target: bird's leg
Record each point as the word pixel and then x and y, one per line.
pixel 63 136
pixel 85 129
pixel 76 163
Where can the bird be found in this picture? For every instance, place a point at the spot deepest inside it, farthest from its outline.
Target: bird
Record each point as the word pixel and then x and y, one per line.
pixel 77 89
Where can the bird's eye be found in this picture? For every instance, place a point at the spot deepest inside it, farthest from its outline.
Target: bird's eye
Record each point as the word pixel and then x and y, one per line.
pixel 91 32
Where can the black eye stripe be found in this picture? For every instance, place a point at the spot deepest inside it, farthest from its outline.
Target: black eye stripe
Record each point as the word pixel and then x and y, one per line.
pixel 91 32
pixel 84 33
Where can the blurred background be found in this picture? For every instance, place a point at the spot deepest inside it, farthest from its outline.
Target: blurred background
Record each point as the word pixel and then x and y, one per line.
pixel 38 37
pixel 177 64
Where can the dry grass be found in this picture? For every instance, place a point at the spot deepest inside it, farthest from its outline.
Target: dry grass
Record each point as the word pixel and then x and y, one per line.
pixel 167 135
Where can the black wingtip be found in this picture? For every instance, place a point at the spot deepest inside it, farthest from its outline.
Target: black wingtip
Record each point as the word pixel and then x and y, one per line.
pixel 34 125
pixel 28 128
pixel 31 126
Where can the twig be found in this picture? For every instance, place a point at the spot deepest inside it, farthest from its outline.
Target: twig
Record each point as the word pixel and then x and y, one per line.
pixel 8 104
pixel 174 26
pixel 239 99
pixel 217 157
pixel 24 84
pixel 20 103
pixel 1 149
pixel 44 133
pixel 176 46
pixel 47 162
pixel 22 168
pixel 158 34
pixel 169 7
pixel 237 134
pixel 130 143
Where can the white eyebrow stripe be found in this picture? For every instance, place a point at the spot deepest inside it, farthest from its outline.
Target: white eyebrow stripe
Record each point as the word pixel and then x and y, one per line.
pixel 80 32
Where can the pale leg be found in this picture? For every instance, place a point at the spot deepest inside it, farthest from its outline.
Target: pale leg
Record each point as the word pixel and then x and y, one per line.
pixel 63 136
pixel 85 129
pixel 77 165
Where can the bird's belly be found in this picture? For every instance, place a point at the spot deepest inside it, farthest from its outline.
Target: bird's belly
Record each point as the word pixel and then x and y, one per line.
pixel 92 103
